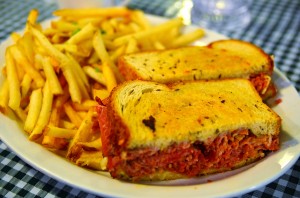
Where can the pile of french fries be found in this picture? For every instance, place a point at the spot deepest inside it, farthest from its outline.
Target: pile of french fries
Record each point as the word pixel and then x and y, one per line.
pixel 53 74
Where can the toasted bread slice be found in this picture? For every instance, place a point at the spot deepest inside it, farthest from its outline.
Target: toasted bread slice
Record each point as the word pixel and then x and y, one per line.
pixel 147 121
pixel 219 60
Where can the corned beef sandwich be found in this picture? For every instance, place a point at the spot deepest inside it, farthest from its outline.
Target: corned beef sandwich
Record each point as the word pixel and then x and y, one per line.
pixel 153 131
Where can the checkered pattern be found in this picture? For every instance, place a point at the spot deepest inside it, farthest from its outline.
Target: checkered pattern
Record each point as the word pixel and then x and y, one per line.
pixel 275 27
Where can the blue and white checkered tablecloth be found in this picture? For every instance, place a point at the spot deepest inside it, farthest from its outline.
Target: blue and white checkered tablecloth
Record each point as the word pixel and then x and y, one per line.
pixel 275 27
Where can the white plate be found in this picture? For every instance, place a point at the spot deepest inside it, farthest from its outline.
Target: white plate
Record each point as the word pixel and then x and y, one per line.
pixel 231 183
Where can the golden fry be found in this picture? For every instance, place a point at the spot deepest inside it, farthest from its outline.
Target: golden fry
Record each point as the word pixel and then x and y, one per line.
pixel 92 159
pixel 54 143
pixel 85 105
pixel 188 38
pixel 57 132
pixel 95 74
pixel 13 81
pixel 162 28
pixel 45 113
pixel 51 77
pixel 85 33
pixel 26 44
pixel 132 46
pixel 25 85
pixel 103 55
pixel 93 12
pixel 72 115
pixel 64 26
pixel 111 81
pixel 4 97
pixel 67 125
pixel 32 17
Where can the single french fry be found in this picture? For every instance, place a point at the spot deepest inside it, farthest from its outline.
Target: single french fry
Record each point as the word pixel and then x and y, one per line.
pixel 94 21
pixel 57 109
pixel 93 12
pixel 95 144
pixel 60 132
pixel 51 77
pixel 35 105
pixel 32 17
pixel 25 85
pixel 103 55
pixel 45 113
pixel 27 46
pixel 67 125
pixel 93 58
pixel 72 115
pixel 85 105
pixel 85 33
pixel 92 159
pixel 38 61
pixel 4 97
pixel 187 38
pixel 82 80
pixel 74 88
pixel 55 115
pixel 50 31
pixel 58 38
pixel 132 46
pixel 54 143
pixel 22 60
pixel 95 74
pixel 64 26
pixel 162 28
pixel 13 81
pixel 111 81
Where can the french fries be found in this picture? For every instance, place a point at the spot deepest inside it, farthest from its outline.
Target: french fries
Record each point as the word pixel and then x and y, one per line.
pixel 53 75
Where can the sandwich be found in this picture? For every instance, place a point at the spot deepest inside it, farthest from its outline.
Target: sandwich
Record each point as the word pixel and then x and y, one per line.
pixel 222 59
pixel 153 131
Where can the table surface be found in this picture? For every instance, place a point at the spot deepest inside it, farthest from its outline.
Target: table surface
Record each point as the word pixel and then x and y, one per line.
pixel 274 26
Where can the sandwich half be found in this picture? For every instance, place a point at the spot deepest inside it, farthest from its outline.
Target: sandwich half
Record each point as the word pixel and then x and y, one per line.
pixel 222 59
pixel 153 131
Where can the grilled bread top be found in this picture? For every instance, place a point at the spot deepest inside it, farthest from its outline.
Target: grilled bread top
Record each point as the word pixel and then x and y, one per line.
pixel 158 115
pixel 221 59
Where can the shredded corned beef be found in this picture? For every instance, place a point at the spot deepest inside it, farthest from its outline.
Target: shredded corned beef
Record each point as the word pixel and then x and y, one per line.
pixel 223 153
pixel 259 82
